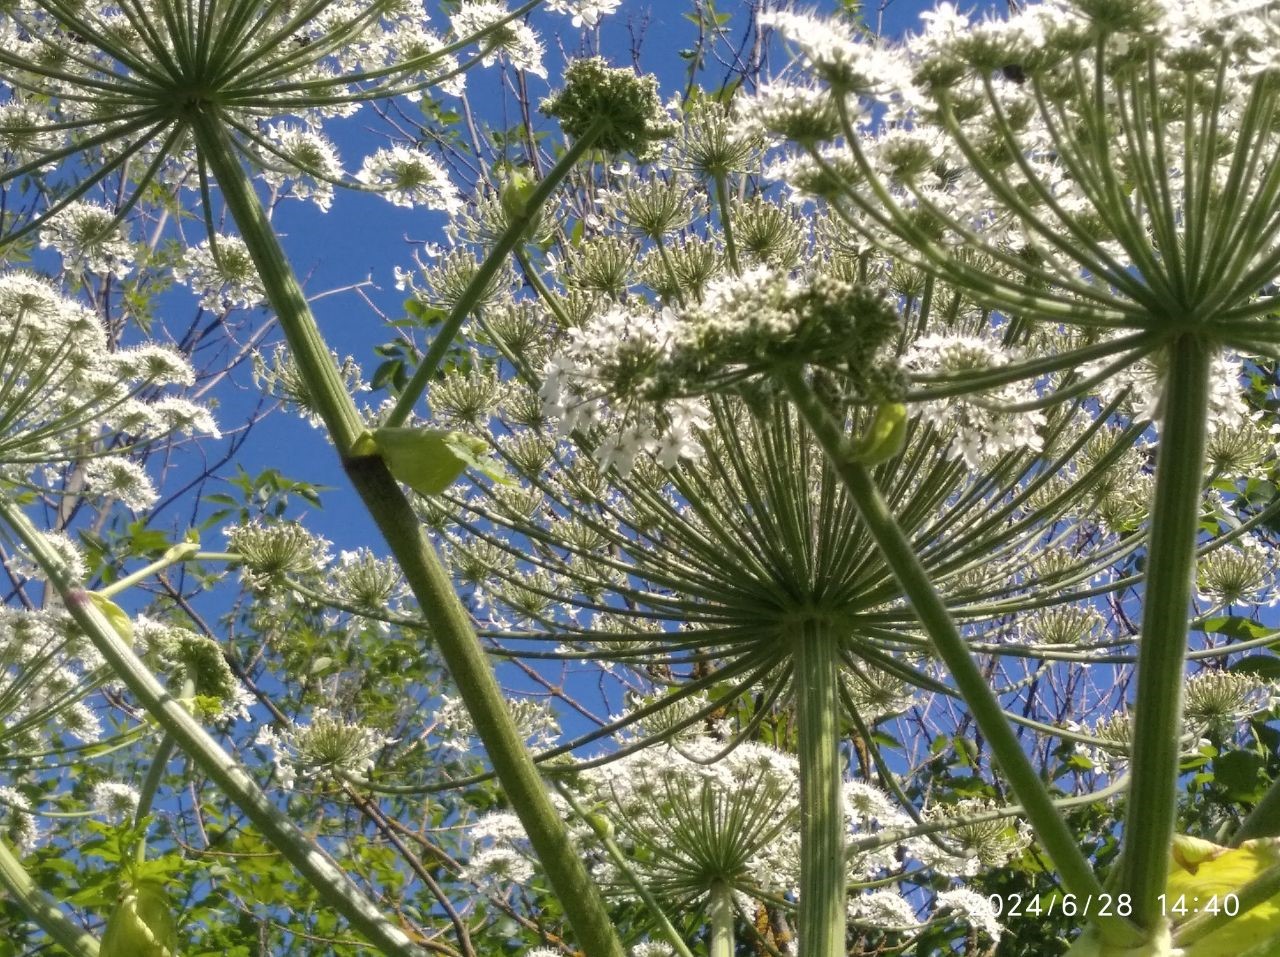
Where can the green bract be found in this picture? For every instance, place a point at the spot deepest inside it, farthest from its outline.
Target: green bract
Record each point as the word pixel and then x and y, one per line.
pixel 142 923
pixel 430 460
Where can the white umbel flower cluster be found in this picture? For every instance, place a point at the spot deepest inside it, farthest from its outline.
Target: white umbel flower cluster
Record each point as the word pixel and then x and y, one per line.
pixel 66 386
pixel 221 272
pixel 978 428
pixel 692 820
pixel 329 747
pixel 46 671
pixel 410 178
pixel 583 13
pixel 89 238
pixel 114 800
pixel 91 70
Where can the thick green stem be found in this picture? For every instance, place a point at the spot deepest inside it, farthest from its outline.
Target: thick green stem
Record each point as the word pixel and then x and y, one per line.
pixel 1058 840
pixel 1171 562
pixel 726 225
pixel 822 824
pixel 450 625
pixel 308 350
pixel 447 619
pixel 512 237
pixel 312 864
pixel 41 908
pixel 720 913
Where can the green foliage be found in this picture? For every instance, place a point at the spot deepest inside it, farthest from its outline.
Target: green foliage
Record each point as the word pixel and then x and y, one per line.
pixel 431 460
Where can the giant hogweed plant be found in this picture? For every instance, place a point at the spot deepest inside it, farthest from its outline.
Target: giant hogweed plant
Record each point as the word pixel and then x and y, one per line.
pixel 180 95
pixel 1094 187
pixel 677 519
pixel 1098 181
pixel 1119 161
pixel 779 385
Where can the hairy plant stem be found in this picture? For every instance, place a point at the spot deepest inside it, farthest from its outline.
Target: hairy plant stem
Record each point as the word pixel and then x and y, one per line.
pixel 41 908
pixel 822 825
pixel 1055 836
pixel 1166 614
pixel 445 615
pixel 333 886
pixel 512 237
pixel 720 913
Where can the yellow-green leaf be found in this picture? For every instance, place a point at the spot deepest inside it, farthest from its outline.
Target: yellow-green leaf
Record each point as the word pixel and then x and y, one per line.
pixel 1204 874
pixel 884 437
pixel 430 460
pixel 114 614
pixel 142 924
pixel 516 193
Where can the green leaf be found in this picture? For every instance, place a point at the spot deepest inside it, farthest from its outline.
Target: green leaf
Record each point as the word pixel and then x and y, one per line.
pixel 884 437
pixel 114 614
pixel 430 460
pixel 516 193
pixel 1264 666
pixel 1203 871
pixel 1237 771
pixel 1236 627
pixel 142 924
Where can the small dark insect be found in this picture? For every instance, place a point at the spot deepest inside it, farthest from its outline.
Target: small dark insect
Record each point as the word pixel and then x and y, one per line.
pixel 1014 73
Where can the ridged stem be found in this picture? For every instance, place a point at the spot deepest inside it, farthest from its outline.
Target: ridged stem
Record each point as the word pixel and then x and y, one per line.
pixel 822 825
pixel 448 620
pixel 450 626
pixel 1058 840
pixel 41 908
pixel 720 914
pixel 1166 615
pixel 726 224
